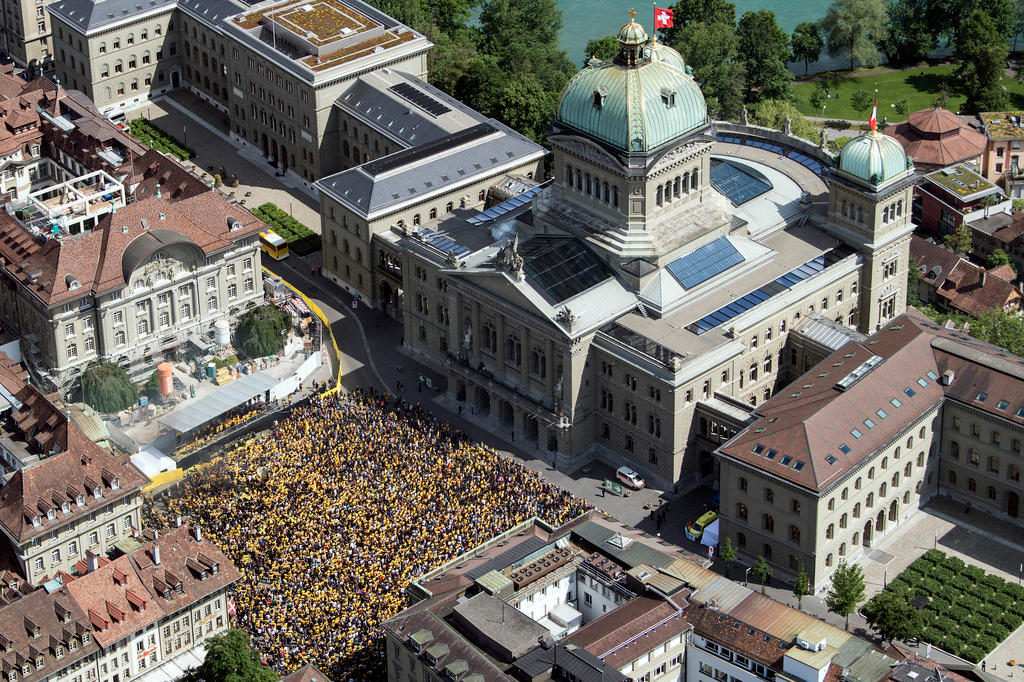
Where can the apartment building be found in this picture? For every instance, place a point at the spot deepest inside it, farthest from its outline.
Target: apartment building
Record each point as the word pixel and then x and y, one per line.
pixel 141 614
pixel 950 282
pixel 274 69
pixel 955 195
pixel 830 466
pixel 25 35
pixel 1001 162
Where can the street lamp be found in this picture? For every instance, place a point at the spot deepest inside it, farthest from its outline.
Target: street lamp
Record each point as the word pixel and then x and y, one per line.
pixel 746 575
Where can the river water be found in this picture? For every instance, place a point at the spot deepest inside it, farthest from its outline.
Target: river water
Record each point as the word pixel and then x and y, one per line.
pixel 586 19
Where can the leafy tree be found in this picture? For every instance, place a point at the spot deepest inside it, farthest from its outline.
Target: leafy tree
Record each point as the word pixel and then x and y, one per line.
pixel 903 107
pixel 861 100
pixel 602 48
pixel 762 570
pixel 837 144
pixel 913 284
pixel 853 28
pixel 847 590
pixel 998 258
pixel 772 113
pixel 941 100
pixel 910 37
pixel 151 389
pixel 801 586
pixel 763 48
pixel 818 98
pixel 893 618
pixel 261 331
pixel 710 48
pixel 960 241
pixel 981 47
pixel 807 44
pixel 1018 21
pixel 448 15
pixel 1001 329
pixel 727 553
pixel 107 388
pixel 229 658
pixel 687 12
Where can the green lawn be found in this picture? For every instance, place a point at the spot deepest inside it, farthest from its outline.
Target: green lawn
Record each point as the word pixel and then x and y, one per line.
pixel 921 85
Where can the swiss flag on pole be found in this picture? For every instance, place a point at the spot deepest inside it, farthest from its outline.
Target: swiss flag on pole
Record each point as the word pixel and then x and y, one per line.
pixel 873 121
pixel 662 18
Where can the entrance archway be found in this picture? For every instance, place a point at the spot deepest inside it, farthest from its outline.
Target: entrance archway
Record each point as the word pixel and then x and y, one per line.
pixel 506 413
pixel 531 431
pixel 880 521
pixel 552 441
pixel 176 79
pixel 1012 504
pixel 707 464
pixel 867 534
pixel 483 401
pixel 386 294
pixel 894 510
pixel 460 392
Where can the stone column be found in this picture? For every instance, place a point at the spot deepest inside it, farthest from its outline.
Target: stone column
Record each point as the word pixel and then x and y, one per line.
pixel 500 350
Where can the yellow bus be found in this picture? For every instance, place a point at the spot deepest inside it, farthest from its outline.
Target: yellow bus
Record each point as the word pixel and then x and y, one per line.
pixel 273 245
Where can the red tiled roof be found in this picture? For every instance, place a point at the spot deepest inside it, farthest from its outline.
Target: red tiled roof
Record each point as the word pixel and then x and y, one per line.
pixel 723 629
pixel 963 285
pixel 937 137
pixel 656 619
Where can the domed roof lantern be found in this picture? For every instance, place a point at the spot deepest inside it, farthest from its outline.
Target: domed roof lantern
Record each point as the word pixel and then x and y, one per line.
pixel 632 38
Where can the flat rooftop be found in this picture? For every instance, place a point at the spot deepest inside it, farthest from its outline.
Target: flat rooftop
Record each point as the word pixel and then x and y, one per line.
pixel 962 182
pixel 1003 125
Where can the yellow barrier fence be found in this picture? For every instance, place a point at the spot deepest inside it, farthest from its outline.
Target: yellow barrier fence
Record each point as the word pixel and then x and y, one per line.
pixel 163 478
pixel 315 309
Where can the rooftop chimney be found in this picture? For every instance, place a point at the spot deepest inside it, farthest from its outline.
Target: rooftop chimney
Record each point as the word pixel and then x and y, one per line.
pixel 198 532
pixel 947 377
pixel 982 282
pixel 177 521
pixel 92 562
pixel 156 555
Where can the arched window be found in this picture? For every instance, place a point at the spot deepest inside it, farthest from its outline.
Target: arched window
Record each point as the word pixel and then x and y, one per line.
pixel 842 549
pixel 416 219
pixel 605 195
pixel 830 531
pixel 568 175
pixel 769 495
pixel 885 214
pixel 668 191
pixel 211 303
pixel 106 93
pixel 952 477
pixel 676 186
pixel 693 179
pixel 842 521
pixel 579 178
pixel 587 187
pixel 686 181
pixel 794 534
pixel 658 196
pixel 448 207
pixel 828 560
pixel 743 484
pixel 433 213
pixel 741 539
pixel 769 523
pixel 899 207
pixel 954 449
pixel 741 511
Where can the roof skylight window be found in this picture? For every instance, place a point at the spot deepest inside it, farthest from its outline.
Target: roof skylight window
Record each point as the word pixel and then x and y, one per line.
pixel 868 423
pixel 857 434
pixel 896 402
pixel 1002 405
pixel 844 448
pixel 910 392
pixel 981 397
pixel 785 461
pixel 758 449
pixel 831 460
pixel 882 414
pixel 771 454
pixel 922 383
pixel 932 375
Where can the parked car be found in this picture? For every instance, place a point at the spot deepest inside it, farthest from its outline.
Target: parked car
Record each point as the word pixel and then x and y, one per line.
pixel 630 478
pixel 695 529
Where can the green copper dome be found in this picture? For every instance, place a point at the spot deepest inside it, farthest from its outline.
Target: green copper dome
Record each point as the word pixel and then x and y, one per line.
pixel 636 102
pixel 873 157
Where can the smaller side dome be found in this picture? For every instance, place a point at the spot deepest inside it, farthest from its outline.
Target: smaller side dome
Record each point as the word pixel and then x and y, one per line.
pixel 659 52
pixel 874 158
pixel 632 33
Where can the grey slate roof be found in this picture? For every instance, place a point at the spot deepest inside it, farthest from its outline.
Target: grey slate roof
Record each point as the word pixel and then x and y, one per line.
pixel 510 556
pixel 87 15
pixel 634 554
pixel 386 184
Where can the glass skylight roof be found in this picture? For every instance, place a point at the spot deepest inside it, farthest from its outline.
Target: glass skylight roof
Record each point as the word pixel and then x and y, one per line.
pixel 845 448
pixel 561 268
pixel 738 184
pixel 910 392
pixel 982 397
pixel 868 423
pixel 882 414
pixel 856 433
pixel 932 375
pixel 896 402
pixel 1002 405
pixel 704 263
pixel 831 460
pixel 444 243
pixel 922 383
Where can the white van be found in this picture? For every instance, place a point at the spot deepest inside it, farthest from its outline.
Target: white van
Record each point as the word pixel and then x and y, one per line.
pixel 629 477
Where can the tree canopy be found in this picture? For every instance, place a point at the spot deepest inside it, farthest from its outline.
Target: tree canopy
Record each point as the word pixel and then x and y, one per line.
pixel 801 586
pixel 108 388
pixel 911 36
pixel 960 240
pixel 727 553
pixel 763 49
pixel 853 29
pixel 602 48
pixel 893 618
pixel 806 43
pixel 229 658
pixel 261 330
pixel 981 48
pixel 846 591
pixel 762 570
pixel 710 48
pixel 998 258
pixel 772 113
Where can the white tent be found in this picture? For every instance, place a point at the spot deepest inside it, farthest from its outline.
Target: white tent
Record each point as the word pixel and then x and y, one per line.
pixel 710 536
pixel 152 462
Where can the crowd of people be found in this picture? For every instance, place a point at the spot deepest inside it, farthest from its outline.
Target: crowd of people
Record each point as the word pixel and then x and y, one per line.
pixel 212 430
pixel 331 514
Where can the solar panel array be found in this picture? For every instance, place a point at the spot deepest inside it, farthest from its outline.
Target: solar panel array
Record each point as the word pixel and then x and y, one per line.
pixel 809 161
pixel 773 288
pixel 419 98
pixel 443 243
pixel 735 183
pixel 504 207
pixel 704 263
pixel 561 268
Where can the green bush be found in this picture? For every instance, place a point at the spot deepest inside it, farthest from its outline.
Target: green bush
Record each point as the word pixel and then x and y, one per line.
pixel 961 583
pixel 958 613
pixel 302 240
pixel 151 389
pixel 986 642
pixel 996 631
pixel 950 593
pixel 989 611
pixel 143 130
pixel 1017 608
pixel 107 388
pixel 953 643
pixel 982 592
pixel 930 586
pixel 993 581
pixel 935 556
pixel 1011 621
pixel 912 576
pixel 938 605
pixel 942 574
pixel 922 566
pixel 260 331
pixel 945 624
pixel 974 573
pixel 229 361
pixel 1001 600
pixel 978 623
pixel 955 564
pixel 972 653
pixel 1015 591
pixel 969 602
pixel 933 636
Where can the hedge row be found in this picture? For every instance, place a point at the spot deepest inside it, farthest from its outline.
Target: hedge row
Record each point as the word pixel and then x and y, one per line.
pixel 302 240
pixel 969 611
pixel 145 132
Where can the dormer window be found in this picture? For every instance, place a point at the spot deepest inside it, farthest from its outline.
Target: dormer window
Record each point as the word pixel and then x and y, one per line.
pixel 80 500
pixel 60 652
pixel 98 492
pixel 85 638
pixel 51 513
pixel 115 484
pixel 39 662
pixel 668 97
pixel 37 520
pixel 12 675
pixel 599 95
pixel 65 507
pixel 24 668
